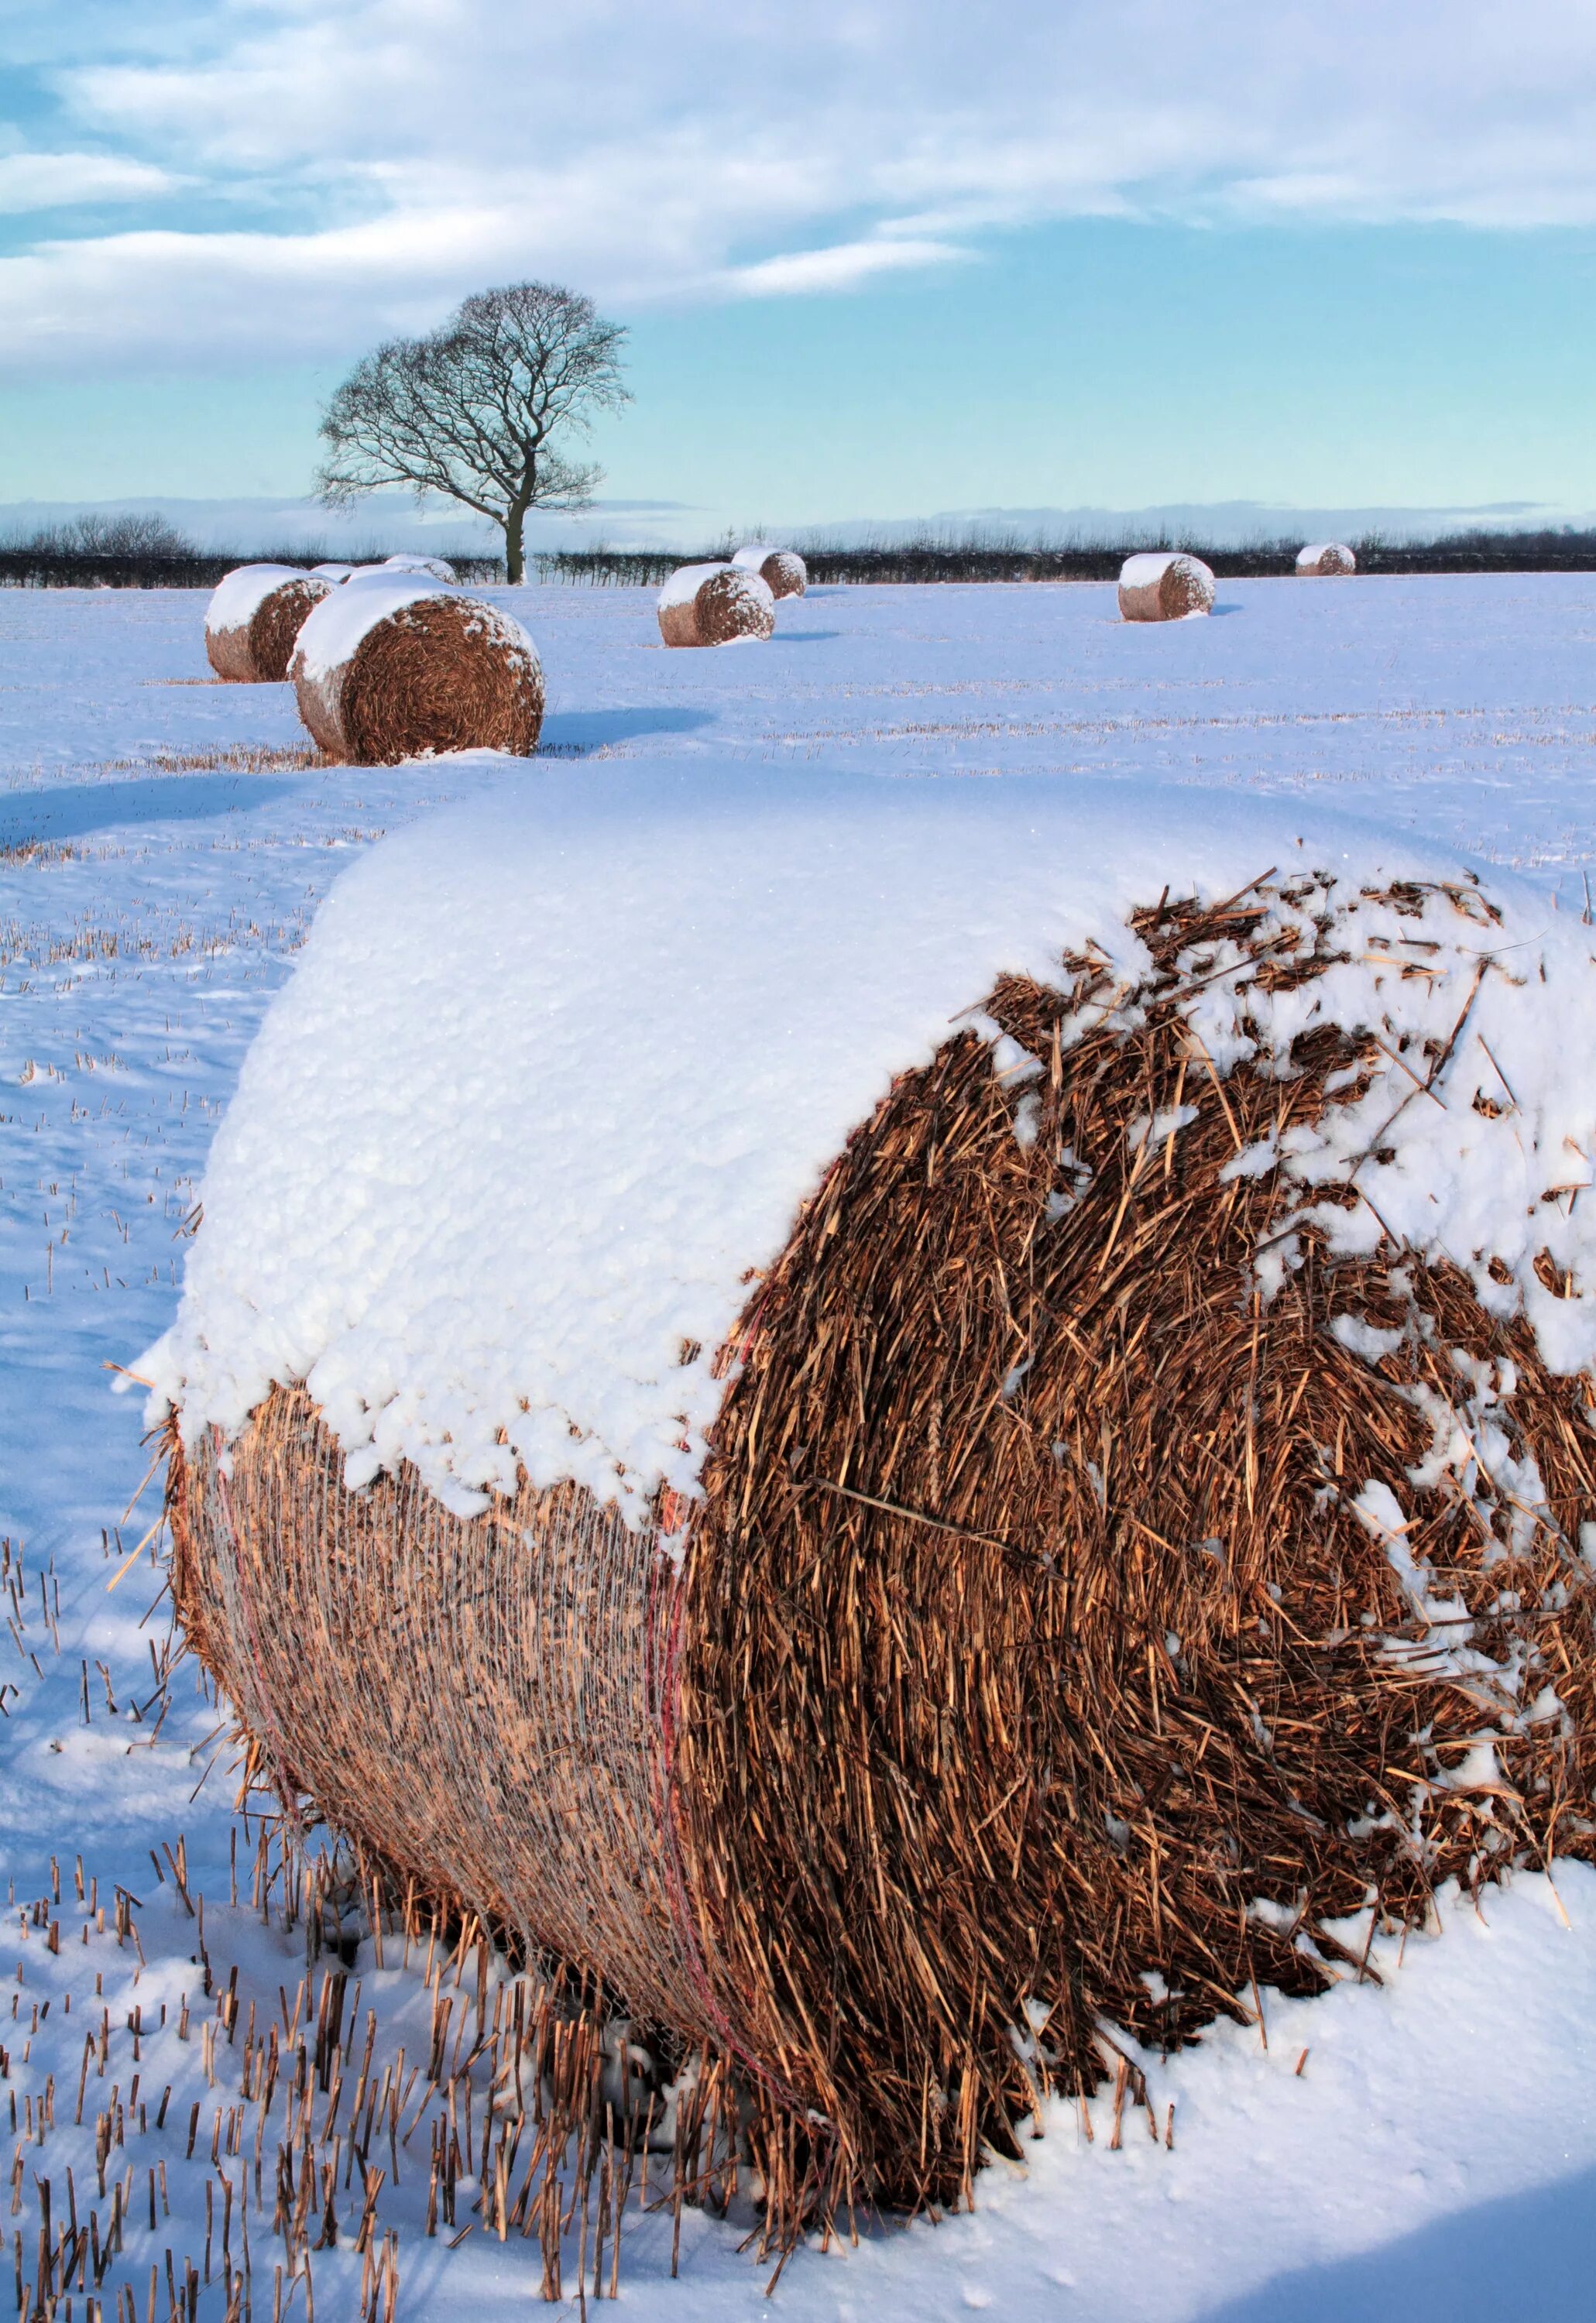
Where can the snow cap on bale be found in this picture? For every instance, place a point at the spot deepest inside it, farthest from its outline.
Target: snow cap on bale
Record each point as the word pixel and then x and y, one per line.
pixel 439 567
pixel 335 572
pixel 253 618
pixel 558 1320
pixel 783 570
pixel 715 605
pixel 992 1353
pixel 1326 557
pixel 1164 584
pixel 400 666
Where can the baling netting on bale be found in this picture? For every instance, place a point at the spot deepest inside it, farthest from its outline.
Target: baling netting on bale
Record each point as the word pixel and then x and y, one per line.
pixel 253 621
pixel 1116 1530
pixel 715 605
pixel 1326 559
pixel 783 570
pixel 1164 585
pixel 397 665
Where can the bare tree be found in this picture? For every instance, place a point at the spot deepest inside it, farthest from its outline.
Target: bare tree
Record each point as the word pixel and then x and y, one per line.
pixel 473 409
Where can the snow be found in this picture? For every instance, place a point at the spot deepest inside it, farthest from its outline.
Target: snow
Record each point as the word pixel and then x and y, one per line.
pixel 753 556
pixel 480 1254
pixel 168 848
pixel 438 567
pixel 685 583
pixel 333 630
pixel 1148 566
pixel 237 596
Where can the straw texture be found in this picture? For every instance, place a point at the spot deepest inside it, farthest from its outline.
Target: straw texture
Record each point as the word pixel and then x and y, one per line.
pixel 783 570
pixel 257 652
pixel 1165 588
pixel 442 673
pixel 727 604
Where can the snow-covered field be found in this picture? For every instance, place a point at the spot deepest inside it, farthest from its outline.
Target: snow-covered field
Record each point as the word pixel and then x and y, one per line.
pixel 1426 2146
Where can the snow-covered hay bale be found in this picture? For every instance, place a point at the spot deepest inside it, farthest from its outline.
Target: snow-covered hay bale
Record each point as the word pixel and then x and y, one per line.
pixel 335 572
pixel 438 567
pixel 978 1430
pixel 1327 558
pixel 1164 585
pixel 253 619
pixel 715 605
pixel 783 570
pixel 399 666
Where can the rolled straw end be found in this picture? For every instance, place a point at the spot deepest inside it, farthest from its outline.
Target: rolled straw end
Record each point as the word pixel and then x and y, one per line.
pixel 254 618
pixel 1164 585
pixel 1326 559
pixel 402 666
pixel 783 570
pixel 715 605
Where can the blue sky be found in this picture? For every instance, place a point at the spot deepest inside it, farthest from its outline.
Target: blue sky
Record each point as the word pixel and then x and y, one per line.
pixel 878 257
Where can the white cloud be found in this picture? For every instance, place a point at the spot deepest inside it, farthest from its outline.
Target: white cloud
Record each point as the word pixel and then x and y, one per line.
pixel 390 154
pixel 837 268
pixel 47 182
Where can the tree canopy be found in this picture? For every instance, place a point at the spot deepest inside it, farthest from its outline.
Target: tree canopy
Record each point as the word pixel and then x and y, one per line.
pixel 481 408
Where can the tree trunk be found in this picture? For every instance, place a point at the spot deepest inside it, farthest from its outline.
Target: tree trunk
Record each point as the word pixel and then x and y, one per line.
pixel 515 567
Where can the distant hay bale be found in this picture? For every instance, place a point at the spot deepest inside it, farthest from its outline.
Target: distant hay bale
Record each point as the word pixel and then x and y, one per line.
pixel 438 567
pixel 1068 1635
pixel 400 666
pixel 1327 558
pixel 715 605
pixel 253 619
pixel 1164 585
pixel 783 570
pixel 335 572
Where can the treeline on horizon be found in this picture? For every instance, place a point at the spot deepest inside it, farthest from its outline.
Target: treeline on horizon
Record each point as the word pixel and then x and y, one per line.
pixel 144 551
pixel 138 549
pixel 1561 550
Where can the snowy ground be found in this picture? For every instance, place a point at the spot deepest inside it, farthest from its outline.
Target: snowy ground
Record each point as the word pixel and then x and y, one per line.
pixel 163 846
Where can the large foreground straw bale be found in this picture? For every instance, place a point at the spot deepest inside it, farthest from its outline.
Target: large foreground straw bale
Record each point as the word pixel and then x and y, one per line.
pixel 398 665
pixel 783 570
pixel 253 621
pixel 1326 559
pixel 1069 1634
pixel 715 605
pixel 1164 585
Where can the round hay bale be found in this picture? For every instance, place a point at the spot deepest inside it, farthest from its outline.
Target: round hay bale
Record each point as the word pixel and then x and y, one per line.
pixel 254 618
pixel 399 666
pixel 1327 558
pixel 335 572
pixel 1077 1554
pixel 783 570
pixel 715 605
pixel 438 567
pixel 1164 585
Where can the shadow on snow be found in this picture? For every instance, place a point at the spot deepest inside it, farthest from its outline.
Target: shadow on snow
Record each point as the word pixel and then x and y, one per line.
pixel 1529 2253
pixel 73 809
